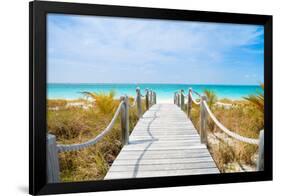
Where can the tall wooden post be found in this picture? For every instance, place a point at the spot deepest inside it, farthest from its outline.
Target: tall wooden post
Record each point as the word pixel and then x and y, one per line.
pixel 203 121
pixel 150 98
pixel 182 99
pixel 154 97
pixel 139 102
pixel 260 164
pixel 125 120
pixel 178 100
pixel 147 99
pixel 53 169
pixel 189 103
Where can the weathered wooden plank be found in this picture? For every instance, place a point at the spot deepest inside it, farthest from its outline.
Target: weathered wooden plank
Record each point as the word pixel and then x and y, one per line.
pixel 146 147
pixel 156 135
pixel 167 151
pixel 164 138
pixel 184 135
pixel 173 129
pixel 163 167
pixel 162 155
pixel 141 161
pixel 164 145
pixel 164 149
pixel 164 134
pixel 137 140
pixel 171 132
pixel 143 174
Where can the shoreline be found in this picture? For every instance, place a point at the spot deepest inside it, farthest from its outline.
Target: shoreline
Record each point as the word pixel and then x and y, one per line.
pixel 165 92
pixel 87 103
pixel 159 100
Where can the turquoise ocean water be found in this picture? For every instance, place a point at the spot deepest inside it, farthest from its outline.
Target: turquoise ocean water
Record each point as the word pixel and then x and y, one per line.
pixel 164 91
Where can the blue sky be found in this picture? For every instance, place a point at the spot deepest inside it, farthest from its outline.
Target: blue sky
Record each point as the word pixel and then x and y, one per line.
pixel 93 49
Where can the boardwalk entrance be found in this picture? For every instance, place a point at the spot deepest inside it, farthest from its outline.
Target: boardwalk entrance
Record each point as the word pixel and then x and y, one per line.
pixel 163 143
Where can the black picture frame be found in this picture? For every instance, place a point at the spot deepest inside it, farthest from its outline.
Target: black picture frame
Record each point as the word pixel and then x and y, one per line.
pixel 37 100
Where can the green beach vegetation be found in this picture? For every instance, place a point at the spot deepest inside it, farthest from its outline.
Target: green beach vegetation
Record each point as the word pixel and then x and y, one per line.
pixel 244 117
pixel 76 121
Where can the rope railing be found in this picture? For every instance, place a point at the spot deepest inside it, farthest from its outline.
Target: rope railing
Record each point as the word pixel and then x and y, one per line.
pixel 73 147
pixel 53 148
pixel 193 100
pixel 204 111
pixel 227 131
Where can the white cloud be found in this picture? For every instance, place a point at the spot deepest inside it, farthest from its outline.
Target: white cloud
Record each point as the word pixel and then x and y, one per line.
pixel 106 43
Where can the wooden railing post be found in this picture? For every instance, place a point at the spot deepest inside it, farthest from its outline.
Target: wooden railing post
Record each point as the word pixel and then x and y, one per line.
pixel 154 97
pixel 178 100
pixel 150 98
pixel 182 99
pixel 125 120
pixel 260 164
pixel 189 103
pixel 139 102
pixel 203 121
pixel 53 169
pixel 147 99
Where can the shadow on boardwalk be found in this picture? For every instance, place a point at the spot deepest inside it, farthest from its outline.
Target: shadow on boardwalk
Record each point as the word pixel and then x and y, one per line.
pixel 150 142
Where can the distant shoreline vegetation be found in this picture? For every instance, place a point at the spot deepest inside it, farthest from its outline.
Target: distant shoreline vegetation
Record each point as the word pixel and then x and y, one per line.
pixel 164 91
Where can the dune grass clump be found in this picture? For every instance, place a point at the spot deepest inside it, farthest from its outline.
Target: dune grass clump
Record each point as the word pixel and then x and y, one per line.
pixel 76 125
pixel 104 102
pixel 56 103
pixel 68 124
pixel 211 98
pixel 222 154
pixel 226 100
pixel 257 100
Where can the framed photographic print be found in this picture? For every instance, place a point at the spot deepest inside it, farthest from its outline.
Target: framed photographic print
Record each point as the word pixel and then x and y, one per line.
pixel 130 97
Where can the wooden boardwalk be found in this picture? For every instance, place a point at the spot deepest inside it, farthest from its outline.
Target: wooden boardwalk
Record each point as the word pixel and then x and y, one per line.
pixel 163 143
